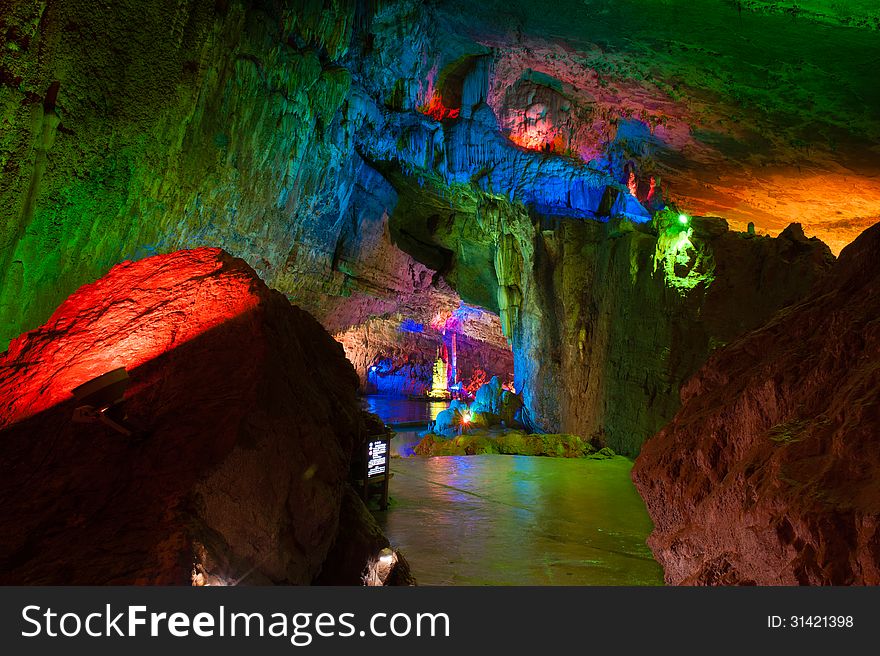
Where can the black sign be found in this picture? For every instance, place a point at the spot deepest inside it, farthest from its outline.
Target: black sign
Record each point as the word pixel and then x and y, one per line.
pixel 377 457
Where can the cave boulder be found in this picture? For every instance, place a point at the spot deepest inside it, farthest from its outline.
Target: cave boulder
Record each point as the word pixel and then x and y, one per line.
pixel 481 441
pixel 511 408
pixel 768 474
pixel 501 405
pixel 488 397
pixel 448 421
pixel 245 420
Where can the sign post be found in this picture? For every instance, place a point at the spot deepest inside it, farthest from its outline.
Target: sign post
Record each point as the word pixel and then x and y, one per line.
pixel 376 466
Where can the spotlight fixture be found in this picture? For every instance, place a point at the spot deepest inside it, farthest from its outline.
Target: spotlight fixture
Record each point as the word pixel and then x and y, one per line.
pixel 684 219
pixel 386 556
pixel 101 401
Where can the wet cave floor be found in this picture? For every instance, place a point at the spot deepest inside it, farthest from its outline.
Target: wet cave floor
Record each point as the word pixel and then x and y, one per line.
pixel 515 520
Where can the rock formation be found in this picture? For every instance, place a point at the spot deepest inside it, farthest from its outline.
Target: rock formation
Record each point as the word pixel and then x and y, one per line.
pixel 510 442
pixel 609 318
pixel 394 354
pixel 493 406
pixel 371 160
pixel 497 405
pixel 768 473
pixel 300 137
pixel 245 421
pixel 359 534
pixel 493 423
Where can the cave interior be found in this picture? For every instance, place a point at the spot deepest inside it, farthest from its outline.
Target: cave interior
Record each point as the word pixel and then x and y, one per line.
pixel 614 264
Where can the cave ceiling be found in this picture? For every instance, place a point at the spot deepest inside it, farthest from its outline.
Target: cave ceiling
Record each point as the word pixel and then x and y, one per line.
pixel 287 132
pixel 764 112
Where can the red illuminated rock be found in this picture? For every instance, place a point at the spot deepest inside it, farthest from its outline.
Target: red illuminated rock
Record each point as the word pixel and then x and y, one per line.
pixel 247 420
pixel 769 472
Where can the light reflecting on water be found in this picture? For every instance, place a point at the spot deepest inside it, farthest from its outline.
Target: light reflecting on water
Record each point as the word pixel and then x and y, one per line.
pixel 520 520
pixel 394 410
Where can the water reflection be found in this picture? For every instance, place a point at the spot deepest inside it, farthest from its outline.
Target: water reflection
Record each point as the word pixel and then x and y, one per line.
pixel 512 520
pixel 519 520
pixel 404 442
pixel 395 410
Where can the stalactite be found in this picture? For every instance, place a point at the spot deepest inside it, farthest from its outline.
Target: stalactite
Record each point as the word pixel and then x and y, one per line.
pixel 508 267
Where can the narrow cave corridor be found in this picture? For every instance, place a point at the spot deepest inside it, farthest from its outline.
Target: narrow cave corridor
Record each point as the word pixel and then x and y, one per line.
pixel 434 291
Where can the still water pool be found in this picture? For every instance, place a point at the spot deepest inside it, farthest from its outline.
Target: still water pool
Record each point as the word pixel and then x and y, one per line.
pixel 394 410
pixel 516 520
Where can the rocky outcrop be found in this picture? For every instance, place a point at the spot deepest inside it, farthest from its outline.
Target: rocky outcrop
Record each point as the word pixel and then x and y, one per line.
pixel 359 534
pixel 768 472
pixel 493 406
pixel 497 405
pixel 394 354
pixel 137 131
pixel 355 154
pixel 620 315
pixel 512 443
pixel 244 417
pixel 606 319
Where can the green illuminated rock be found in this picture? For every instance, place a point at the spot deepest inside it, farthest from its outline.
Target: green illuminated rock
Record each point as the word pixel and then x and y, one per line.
pixel 151 127
pixel 512 443
pixel 610 317
pixel 289 134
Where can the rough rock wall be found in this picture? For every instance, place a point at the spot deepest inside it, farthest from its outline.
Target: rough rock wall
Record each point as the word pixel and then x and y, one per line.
pixel 146 129
pixel 606 319
pixel 245 421
pixel 754 111
pixel 768 473
pixel 398 362
pixel 639 311
pixel 241 124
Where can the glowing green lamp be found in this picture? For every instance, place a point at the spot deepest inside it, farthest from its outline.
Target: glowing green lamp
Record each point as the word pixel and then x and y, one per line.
pixel 684 219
